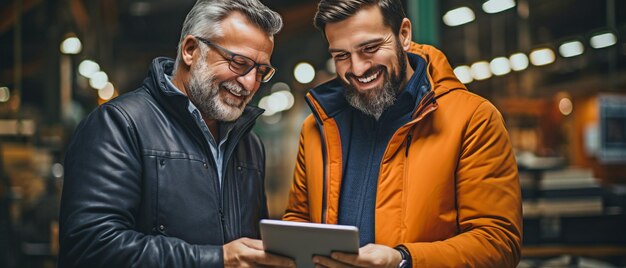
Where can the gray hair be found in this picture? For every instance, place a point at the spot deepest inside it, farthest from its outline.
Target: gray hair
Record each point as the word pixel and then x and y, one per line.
pixel 205 17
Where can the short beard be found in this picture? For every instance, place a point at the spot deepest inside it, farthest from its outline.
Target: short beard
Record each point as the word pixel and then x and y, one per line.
pixel 379 99
pixel 203 92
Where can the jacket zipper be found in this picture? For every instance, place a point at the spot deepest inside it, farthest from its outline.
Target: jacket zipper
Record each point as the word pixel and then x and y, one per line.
pixel 310 99
pixel 429 99
pixel 219 190
pixel 228 153
pixel 408 143
pixel 222 217
pixel 324 182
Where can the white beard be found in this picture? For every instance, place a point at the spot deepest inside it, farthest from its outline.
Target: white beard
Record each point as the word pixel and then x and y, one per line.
pixel 204 93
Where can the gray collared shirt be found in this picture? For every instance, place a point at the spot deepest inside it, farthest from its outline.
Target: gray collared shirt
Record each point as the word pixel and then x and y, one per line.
pixel 225 128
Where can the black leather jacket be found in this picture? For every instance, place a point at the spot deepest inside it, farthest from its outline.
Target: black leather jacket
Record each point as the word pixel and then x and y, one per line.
pixel 141 188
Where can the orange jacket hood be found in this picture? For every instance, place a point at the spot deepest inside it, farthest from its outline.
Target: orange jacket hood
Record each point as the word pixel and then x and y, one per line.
pixel 440 75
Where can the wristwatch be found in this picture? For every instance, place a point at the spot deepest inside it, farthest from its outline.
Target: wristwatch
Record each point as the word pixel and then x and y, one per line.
pixel 406 257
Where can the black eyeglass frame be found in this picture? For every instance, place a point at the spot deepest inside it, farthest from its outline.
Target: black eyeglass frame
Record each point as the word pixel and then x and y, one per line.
pixel 262 76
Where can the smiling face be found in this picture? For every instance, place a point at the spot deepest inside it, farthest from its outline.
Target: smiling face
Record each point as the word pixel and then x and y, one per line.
pixel 370 59
pixel 218 92
pixel 222 101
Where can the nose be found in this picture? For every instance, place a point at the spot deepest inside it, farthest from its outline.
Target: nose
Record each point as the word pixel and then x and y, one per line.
pixel 359 65
pixel 249 81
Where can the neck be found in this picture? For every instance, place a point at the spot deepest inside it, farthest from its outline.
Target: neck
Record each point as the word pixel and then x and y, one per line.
pixel 178 80
pixel 213 126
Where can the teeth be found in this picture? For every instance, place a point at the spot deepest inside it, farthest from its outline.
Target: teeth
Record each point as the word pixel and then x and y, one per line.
pixel 235 90
pixel 368 79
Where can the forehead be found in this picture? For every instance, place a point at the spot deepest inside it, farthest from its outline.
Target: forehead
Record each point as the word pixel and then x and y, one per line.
pixel 243 37
pixel 364 25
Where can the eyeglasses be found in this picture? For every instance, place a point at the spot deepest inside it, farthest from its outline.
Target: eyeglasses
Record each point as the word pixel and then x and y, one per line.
pixel 242 65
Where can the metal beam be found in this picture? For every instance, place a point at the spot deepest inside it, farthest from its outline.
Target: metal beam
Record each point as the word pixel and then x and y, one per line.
pixel 424 16
pixel 7 16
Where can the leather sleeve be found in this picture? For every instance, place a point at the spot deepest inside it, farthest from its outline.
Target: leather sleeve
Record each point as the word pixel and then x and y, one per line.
pixel 488 201
pixel 101 196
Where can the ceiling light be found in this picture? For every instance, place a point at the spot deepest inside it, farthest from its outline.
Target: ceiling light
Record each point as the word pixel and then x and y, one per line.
pixel 304 72
pixel 603 40
pixel 464 74
pixel 99 80
pixel 500 66
pixel 566 106
pixel 495 6
pixel 107 92
pixel 280 101
pixel 264 104
pixel 57 170
pixel 279 86
pixel 519 61
pixel 542 56
pixel 480 70
pixel 71 45
pixel 458 16
pixel 87 68
pixel 5 94
pixel 571 49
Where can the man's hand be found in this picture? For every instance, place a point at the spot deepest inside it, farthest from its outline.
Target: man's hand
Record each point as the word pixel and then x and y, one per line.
pixel 371 255
pixel 246 252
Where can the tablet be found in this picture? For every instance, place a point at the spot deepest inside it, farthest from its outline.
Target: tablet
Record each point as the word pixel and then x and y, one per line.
pixel 300 241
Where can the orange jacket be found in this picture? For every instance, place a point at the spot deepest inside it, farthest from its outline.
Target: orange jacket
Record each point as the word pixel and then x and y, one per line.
pixel 452 197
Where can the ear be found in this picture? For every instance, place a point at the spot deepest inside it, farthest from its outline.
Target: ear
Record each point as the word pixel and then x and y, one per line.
pixel 405 34
pixel 189 47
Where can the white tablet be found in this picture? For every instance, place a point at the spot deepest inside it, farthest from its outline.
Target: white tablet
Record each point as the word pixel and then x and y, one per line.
pixel 300 241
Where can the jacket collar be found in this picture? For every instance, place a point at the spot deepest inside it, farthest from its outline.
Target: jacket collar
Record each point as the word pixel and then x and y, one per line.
pixel 331 100
pixel 327 100
pixel 176 106
pixel 439 71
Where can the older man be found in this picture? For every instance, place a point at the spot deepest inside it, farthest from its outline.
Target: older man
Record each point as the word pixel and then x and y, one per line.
pixel 398 147
pixel 169 175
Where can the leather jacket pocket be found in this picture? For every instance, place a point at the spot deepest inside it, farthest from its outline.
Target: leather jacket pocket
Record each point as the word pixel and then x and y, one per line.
pixel 184 201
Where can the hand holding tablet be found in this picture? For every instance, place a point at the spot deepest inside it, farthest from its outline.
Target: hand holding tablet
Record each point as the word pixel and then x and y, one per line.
pixel 301 241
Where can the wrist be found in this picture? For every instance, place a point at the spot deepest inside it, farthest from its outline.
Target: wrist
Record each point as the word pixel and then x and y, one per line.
pixel 406 256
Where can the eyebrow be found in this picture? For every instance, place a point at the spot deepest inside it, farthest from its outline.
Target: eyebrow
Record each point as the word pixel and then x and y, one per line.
pixel 368 42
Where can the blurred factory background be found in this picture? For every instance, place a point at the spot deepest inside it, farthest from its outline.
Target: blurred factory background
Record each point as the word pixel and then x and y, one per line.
pixel 556 69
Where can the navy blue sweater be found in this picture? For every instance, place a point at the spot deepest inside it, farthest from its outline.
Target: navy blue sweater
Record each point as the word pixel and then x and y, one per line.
pixel 364 149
